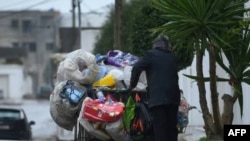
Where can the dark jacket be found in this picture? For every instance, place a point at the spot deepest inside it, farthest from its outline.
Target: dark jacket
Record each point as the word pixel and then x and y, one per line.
pixel 162 77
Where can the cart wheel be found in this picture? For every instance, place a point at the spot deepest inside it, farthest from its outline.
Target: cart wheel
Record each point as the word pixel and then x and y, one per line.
pixel 181 129
pixel 80 134
pixel 83 135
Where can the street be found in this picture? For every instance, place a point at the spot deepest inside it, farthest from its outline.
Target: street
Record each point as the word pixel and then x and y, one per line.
pixel 45 128
pixel 38 111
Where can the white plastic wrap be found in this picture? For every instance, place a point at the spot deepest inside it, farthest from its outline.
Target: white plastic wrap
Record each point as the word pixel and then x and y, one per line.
pixel 62 112
pixel 116 131
pixel 142 83
pixel 79 66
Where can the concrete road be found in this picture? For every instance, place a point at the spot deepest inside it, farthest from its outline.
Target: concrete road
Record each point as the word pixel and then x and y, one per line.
pixel 38 111
pixel 45 128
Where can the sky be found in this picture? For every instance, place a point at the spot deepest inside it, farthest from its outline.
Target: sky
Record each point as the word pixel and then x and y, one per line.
pixel 64 6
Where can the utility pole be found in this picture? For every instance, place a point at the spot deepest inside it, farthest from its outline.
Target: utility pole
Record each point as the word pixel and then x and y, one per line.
pixel 73 29
pixel 79 21
pixel 73 13
pixel 117 25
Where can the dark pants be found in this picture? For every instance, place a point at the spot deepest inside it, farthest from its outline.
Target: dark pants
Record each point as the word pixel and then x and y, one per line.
pixel 165 122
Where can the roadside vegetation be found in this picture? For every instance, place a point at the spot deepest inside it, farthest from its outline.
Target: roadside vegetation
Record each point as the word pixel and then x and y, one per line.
pixel 219 28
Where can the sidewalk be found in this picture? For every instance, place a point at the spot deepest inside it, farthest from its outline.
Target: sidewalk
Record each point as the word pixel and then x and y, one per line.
pixel 192 133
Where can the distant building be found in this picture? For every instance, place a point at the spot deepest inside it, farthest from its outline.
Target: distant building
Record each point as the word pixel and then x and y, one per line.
pixel 28 38
pixel 91 25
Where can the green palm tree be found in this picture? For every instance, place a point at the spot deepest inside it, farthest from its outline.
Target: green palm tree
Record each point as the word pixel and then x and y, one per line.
pixel 237 53
pixel 198 24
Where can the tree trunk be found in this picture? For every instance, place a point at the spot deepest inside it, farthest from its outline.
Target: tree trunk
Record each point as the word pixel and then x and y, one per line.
pixel 117 24
pixel 214 95
pixel 227 115
pixel 208 120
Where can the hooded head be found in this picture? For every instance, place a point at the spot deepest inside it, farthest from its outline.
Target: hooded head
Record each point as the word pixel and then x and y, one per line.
pixel 162 42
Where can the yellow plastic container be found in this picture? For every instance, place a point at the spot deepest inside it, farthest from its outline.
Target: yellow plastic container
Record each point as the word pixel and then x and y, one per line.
pixel 107 81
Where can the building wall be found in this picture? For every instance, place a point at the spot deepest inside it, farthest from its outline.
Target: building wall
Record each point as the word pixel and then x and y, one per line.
pixel 88 38
pixel 14 74
pixel 191 93
pixel 36 31
pixel 91 25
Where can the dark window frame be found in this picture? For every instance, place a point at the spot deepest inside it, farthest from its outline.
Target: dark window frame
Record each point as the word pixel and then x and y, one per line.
pixel 14 24
pixel 31 46
pixel 15 44
pixel 50 46
pixel 27 26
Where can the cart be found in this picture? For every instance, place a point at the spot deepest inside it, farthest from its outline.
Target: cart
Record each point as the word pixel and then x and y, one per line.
pixel 121 95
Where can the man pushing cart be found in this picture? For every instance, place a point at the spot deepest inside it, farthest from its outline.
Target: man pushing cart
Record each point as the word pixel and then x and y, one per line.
pixel 118 114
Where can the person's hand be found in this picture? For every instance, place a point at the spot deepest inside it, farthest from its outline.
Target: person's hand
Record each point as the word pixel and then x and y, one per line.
pixel 130 88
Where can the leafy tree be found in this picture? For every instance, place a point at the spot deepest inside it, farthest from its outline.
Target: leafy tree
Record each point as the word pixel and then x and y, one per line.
pixel 237 53
pixel 105 41
pixel 138 18
pixel 147 18
pixel 199 24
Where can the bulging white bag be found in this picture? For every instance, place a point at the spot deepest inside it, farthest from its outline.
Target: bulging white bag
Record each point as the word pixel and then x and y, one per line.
pixel 142 83
pixel 62 112
pixel 116 131
pixel 79 68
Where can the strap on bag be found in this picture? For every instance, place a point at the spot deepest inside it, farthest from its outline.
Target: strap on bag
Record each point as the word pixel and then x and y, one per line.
pixel 70 85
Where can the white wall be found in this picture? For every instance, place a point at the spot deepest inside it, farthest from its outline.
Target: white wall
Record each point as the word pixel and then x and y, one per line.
pixel 27 85
pixel 87 20
pixel 88 39
pixel 191 93
pixel 88 36
pixel 245 119
pixel 15 75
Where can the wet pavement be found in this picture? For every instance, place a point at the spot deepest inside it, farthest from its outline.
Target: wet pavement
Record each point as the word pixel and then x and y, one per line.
pixel 45 128
pixel 192 133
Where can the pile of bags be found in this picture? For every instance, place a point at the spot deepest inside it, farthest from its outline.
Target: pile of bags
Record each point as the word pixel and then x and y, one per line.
pixel 105 118
pixel 78 73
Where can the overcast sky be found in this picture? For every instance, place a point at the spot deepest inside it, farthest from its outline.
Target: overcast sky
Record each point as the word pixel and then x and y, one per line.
pixel 64 6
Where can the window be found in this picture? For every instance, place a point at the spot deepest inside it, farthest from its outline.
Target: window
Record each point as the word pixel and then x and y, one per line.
pixel 15 45
pixel 27 26
pixel 10 114
pixel 49 46
pixel 47 20
pixel 30 46
pixel 14 24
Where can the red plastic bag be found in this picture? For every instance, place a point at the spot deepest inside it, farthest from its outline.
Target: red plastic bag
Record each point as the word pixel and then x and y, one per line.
pixel 98 111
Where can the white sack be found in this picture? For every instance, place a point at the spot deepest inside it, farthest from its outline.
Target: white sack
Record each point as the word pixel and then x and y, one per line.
pixel 62 112
pixel 116 131
pixel 79 66
pixel 142 83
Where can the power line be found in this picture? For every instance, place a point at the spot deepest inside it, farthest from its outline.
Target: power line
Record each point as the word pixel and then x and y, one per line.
pixel 13 4
pixel 86 6
pixel 94 11
pixel 24 10
pixel 42 26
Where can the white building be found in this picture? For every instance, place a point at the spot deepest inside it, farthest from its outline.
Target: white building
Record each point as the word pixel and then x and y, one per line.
pixel 12 83
pixel 191 93
pixel 90 23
